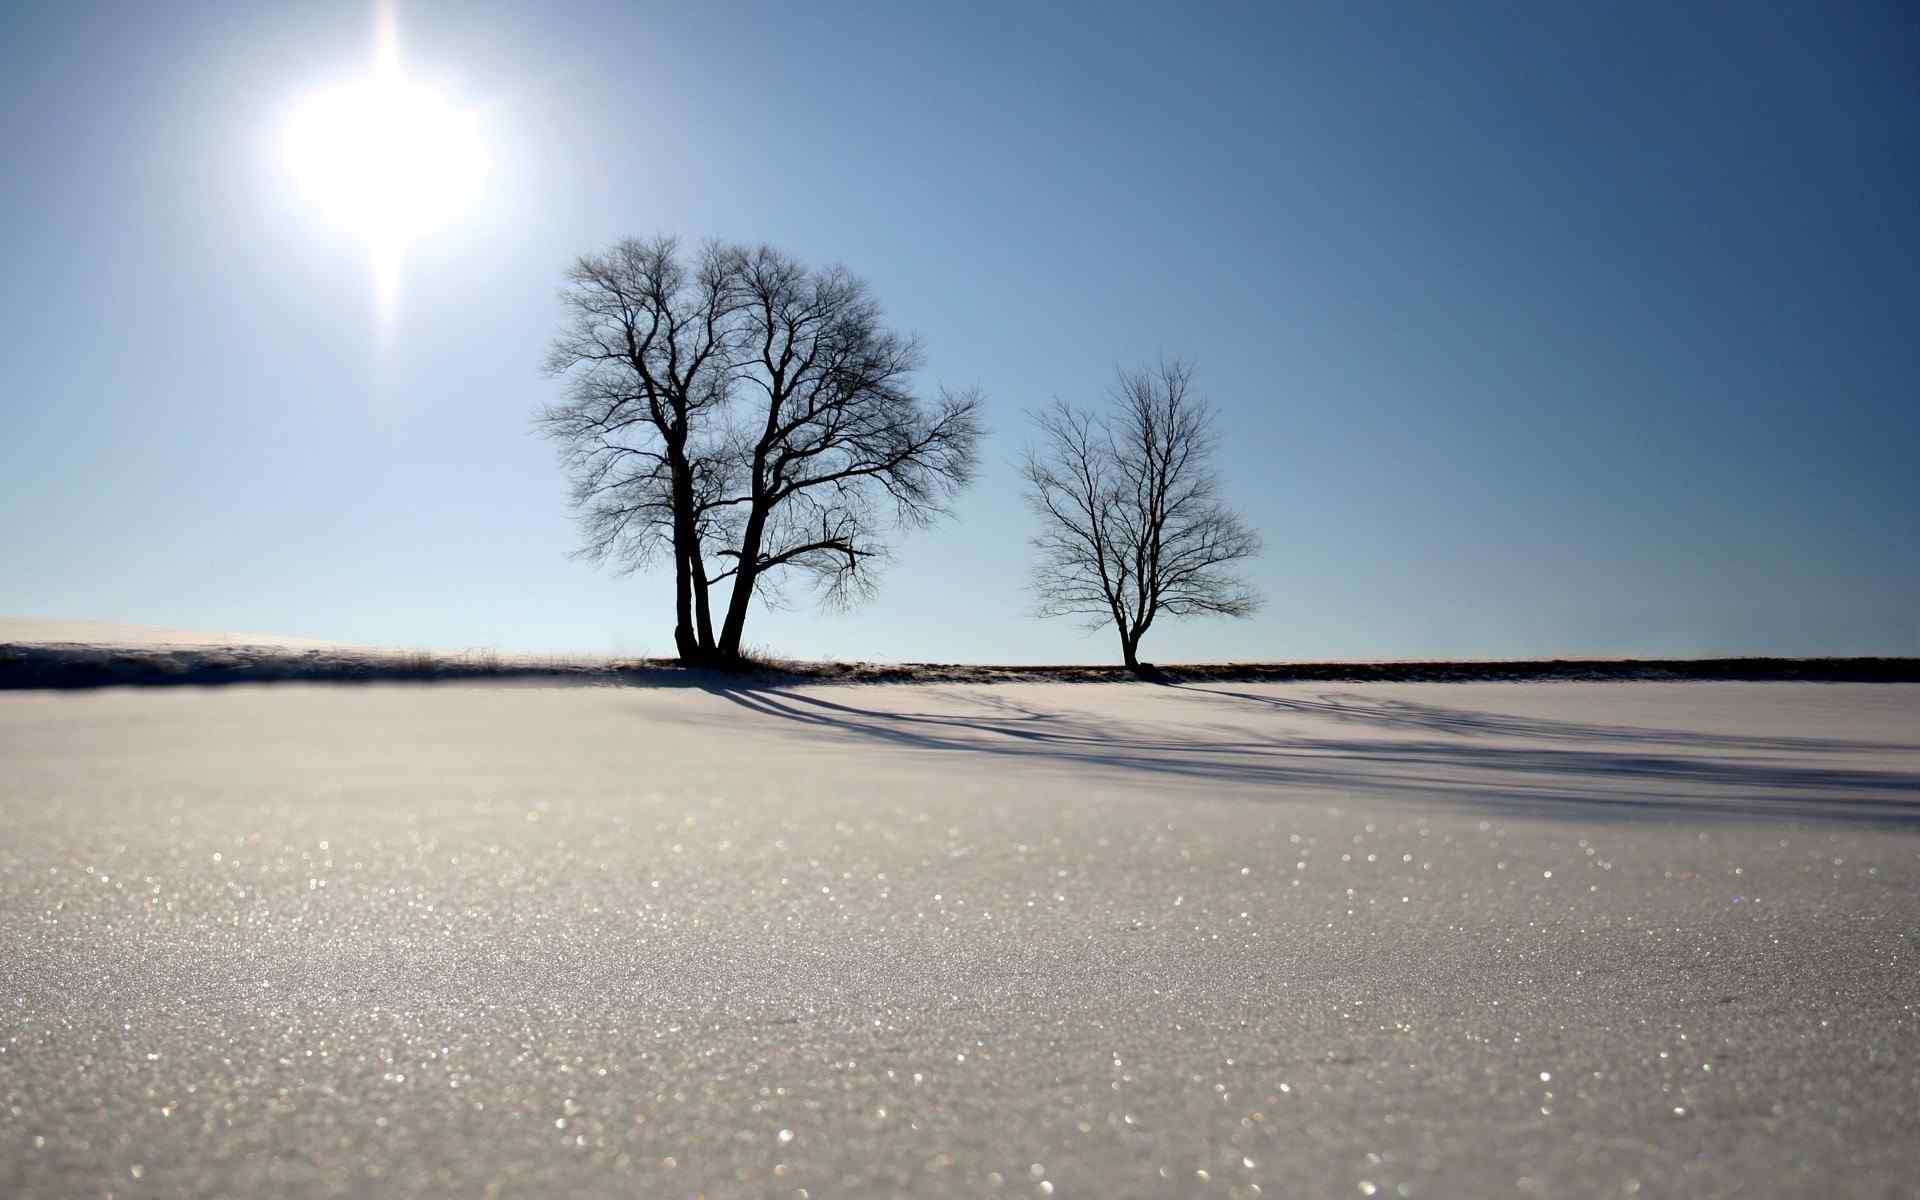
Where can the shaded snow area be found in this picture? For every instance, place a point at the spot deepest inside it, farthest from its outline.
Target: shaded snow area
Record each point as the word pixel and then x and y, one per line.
pixel 1568 939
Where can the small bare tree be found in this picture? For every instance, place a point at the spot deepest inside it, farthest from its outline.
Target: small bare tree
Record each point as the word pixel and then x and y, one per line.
pixel 751 413
pixel 1131 524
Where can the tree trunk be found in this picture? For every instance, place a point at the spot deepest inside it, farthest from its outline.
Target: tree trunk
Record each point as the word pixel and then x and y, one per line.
pixel 683 639
pixel 728 650
pixel 702 606
pixel 689 573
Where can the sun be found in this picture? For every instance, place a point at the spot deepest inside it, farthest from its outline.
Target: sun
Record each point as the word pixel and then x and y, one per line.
pixel 385 159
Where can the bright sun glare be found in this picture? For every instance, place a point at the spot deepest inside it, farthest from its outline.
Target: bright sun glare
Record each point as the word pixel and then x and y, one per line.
pixel 385 159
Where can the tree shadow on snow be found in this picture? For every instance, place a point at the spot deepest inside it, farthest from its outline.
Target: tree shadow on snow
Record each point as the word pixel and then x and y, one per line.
pixel 1464 756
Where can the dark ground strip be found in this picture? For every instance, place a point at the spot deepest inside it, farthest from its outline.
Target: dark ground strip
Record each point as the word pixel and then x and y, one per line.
pixel 86 666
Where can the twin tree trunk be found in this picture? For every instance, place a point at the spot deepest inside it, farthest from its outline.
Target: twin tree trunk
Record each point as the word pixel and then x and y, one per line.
pixel 693 628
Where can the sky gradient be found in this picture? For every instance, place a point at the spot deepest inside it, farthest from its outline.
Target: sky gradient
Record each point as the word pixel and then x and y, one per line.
pixel 1533 329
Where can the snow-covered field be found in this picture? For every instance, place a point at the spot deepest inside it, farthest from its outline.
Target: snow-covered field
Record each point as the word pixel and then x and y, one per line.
pixel 1027 939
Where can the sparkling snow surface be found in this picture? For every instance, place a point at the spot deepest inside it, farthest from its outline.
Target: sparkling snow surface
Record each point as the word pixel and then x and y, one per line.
pixel 1027 940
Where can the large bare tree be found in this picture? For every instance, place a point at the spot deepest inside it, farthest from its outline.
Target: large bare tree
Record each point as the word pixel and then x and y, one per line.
pixel 647 356
pixel 1132 527
pixel 752 415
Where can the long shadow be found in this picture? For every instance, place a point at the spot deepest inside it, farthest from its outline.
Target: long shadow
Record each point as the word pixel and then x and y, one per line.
pixel 1551 780
pixel 1410 714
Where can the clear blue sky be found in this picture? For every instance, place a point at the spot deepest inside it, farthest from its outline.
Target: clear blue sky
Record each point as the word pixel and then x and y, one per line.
pixel 1533 328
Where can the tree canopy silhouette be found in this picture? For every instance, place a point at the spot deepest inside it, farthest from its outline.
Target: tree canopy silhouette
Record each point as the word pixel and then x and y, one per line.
pixel 751 416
